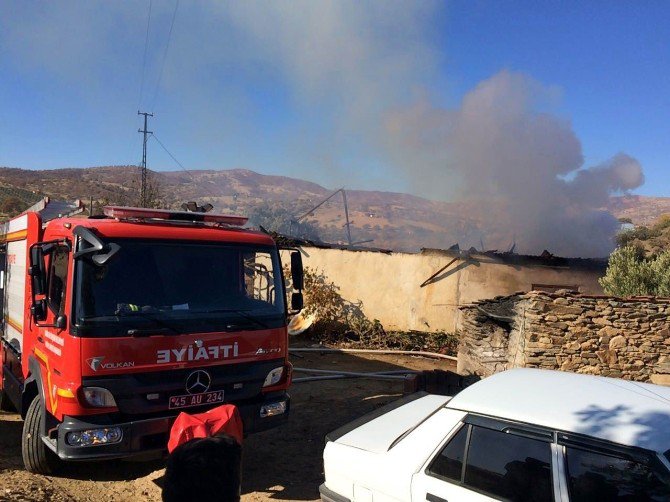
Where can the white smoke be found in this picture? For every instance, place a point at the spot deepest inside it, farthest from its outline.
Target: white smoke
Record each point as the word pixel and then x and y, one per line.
pixel 343 74
pixel 501 149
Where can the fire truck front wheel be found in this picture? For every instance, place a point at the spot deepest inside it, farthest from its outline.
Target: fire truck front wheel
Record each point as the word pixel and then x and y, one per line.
pixel 37 457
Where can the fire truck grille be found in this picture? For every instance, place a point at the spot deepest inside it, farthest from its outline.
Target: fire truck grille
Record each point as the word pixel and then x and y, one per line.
pixel 141 394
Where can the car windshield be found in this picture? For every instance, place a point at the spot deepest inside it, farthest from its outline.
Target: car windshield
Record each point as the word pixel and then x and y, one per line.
pixel 167 283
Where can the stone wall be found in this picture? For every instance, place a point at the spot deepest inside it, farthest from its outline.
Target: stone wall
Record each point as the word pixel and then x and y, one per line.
pixel 598 335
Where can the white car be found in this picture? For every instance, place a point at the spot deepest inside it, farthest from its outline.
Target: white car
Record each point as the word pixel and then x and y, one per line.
pixel 520 435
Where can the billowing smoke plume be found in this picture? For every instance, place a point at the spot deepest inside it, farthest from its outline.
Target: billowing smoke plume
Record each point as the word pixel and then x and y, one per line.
pixel 307 89
pixel 525 166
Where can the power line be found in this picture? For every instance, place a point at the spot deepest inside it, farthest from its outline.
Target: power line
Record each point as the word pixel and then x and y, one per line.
pixel 167 46
pixel 144 66
pixel 211 194
pixel 174 158
pixel 144 58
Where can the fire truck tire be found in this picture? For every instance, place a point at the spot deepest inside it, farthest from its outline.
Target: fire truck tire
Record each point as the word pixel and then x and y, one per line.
pixel 37 457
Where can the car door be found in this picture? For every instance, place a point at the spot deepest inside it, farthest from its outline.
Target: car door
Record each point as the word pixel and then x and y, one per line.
pixel 439 480
pixel 600 471
pixel 489 460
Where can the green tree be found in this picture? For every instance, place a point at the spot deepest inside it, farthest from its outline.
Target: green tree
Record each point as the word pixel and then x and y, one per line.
pixel 629 237
pixel 628 274
pixel 661 274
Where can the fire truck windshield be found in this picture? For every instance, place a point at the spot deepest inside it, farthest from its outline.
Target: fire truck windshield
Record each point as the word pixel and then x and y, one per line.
pixel 181 287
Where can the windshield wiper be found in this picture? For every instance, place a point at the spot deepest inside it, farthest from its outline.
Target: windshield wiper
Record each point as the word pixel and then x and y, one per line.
pixel 240 313
pixel 145 315
pixel 150 331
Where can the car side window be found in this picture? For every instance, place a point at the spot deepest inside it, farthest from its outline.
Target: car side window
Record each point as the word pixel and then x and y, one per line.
pixel 497 463
pixel 505 465
pixel 598 476
pixel 449 463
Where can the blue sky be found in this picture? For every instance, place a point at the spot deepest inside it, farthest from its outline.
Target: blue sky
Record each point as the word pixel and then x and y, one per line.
pixel 306 89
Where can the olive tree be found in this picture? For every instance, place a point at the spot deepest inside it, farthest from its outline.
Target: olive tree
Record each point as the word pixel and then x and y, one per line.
pixel 629 273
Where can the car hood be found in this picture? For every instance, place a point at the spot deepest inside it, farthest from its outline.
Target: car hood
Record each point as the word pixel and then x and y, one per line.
pixel 378 431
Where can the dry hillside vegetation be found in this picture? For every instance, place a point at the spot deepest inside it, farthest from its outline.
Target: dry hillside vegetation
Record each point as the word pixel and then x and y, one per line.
pixel 649 241
pixel 639 209
pixel 392 220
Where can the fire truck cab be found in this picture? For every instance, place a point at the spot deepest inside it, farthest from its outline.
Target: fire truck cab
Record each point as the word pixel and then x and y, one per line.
pixel 113 325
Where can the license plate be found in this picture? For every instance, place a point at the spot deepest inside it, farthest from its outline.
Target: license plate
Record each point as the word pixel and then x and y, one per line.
pixel 188 400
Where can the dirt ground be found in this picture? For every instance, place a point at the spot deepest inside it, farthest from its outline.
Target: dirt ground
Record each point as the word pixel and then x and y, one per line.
pixel 280 464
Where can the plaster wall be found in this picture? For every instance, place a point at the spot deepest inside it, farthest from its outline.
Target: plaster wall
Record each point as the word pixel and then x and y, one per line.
pixel 389 285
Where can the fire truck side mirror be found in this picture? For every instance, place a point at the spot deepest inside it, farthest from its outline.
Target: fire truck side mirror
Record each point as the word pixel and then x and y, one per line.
pixel 38 279
pixel 38 310
pixel 91 245
pixel 61 322
pixel 297 275
pixel 298 280
pixel 37 271
pixel 297 301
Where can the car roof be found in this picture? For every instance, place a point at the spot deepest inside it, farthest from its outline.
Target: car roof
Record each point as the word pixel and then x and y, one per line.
pixel 625 412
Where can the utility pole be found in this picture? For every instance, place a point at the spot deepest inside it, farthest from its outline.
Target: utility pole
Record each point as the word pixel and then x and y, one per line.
pixel 346 215
pixel 143 190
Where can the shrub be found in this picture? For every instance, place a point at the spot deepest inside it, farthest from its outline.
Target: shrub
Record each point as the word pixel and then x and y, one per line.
pixel 334 314
pixel 340 321
pixel 627 237
pixel 660 268
pixel 630 274
pixel 12 205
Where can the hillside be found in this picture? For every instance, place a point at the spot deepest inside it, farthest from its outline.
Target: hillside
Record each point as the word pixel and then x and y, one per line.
pixel 640 209
pixel 649 240
pixel 393 220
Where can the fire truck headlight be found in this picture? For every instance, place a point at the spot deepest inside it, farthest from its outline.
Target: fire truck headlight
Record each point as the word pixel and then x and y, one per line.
pixel 98 397
pixel 274 376
pixel 92 437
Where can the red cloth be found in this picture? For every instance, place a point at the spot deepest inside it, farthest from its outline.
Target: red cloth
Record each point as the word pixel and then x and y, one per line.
pixel 225 418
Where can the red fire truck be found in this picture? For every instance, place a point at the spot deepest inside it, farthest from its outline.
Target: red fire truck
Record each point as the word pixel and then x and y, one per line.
pixel 112 325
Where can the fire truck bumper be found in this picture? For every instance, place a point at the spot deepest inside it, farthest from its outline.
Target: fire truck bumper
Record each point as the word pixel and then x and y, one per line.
pixel 139 437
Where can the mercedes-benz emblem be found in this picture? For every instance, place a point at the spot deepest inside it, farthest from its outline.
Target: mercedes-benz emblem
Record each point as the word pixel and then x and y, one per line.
pixel 198 382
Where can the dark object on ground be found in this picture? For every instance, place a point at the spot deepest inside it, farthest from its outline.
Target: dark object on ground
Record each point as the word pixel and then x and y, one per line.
pixel 204 469
pixel 444 383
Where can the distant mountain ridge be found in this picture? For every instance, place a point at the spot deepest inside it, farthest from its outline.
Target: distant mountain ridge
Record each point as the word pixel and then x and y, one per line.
pixel 397 221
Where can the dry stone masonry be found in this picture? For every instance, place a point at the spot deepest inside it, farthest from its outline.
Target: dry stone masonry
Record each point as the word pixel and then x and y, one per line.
pixel 596 335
